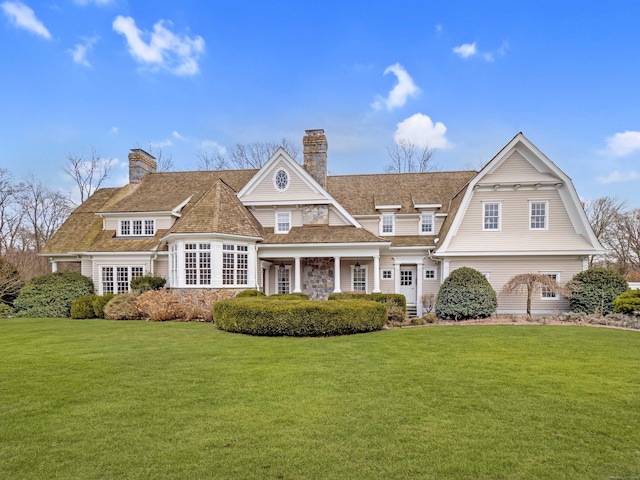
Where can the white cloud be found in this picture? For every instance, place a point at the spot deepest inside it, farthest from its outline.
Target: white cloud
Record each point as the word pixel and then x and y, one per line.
pixel 80 50
pixel 421 130
pixel 97 2
pixel 25 18
pixel 213 145
pixel 164 49
pixel 617 177
pixel 161 143
pixel 465 50
pixel 622 144
pixel 114 130
pixel 177 135
pixel 400 92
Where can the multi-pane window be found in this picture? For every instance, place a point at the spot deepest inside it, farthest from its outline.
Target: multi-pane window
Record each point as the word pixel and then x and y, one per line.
pixel 387 223
pixel 547 293
pixel 235 264
pixel 426 223
pixel 283 222
pixel 197 263
pixel 360 279
pixel 118 279
pixel 429 273
pixel 406 278
pixel 173 265
pixel 491 216
pixel 137 227
pixel 387 274
pixel 538 216
pixel 283 280
pixel 281 180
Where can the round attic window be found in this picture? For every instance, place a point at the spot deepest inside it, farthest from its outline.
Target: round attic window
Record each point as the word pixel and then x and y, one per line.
pixel 281 180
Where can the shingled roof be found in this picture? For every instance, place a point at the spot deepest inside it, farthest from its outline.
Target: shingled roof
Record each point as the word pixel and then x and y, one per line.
pixel 321 234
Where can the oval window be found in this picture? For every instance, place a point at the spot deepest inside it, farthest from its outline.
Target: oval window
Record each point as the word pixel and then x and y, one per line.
pixel 281 180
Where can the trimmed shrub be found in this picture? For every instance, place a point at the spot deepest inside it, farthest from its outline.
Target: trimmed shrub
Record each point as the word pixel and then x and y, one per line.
pixel 300 318
pixel 83 307
pixel 122 307
pixel 159 305
pixel 51 295
pixel 5 310
pixel 465 293
pixel 429 317
pixel 628 302
pixel 387 298
pixel 99 303
pixel 395 315
pixel 146 283
pixel 250 293
pixel 288 296
pixel 593 290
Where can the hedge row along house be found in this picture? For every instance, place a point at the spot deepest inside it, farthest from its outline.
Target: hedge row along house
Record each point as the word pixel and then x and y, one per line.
pixel 291 228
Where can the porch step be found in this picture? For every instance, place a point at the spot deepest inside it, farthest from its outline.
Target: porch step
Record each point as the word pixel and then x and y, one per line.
pixel 412 311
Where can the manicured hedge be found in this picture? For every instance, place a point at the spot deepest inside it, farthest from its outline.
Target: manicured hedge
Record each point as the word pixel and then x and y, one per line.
pixel 466 293
pixel 396 299
pixel 297 317
pixel 83 307
pixel 250 293
pixel 51 295
pixel 593 290
pixel 288 296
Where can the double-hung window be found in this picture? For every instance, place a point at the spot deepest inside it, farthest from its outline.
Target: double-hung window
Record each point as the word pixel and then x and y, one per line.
pixel 426 223
pixel 137 227
pixel 538 215
pixel 197 263
pixel 283 279
pixel 283 222
pixel 359 278
pixel 547 293
pixel 491 216
pixel 235 264
pixel 118 279
pixel 387 226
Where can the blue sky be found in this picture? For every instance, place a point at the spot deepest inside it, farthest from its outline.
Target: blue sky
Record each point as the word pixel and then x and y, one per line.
pixel 188 76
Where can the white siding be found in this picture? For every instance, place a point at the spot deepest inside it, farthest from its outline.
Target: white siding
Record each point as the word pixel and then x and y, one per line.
pixel 407 225
pixel 162 268
pixel 335 219
pixel 516 168
pixel 266 190
pixel 371 224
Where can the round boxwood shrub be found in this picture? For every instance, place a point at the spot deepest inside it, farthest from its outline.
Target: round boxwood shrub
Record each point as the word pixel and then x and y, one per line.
pixel 83 307
pixel 298 317
pixel 465 293
pixel 51 295
pixel 147 282
pixel 593 290
pixel 99 302
pixel 250 293
pixel 628 302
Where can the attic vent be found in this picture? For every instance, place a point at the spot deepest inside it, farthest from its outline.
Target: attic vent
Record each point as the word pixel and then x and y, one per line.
pixel 281 180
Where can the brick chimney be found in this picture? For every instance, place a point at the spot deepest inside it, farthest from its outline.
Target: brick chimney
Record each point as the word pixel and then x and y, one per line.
pixel 315 155
pixel 140 163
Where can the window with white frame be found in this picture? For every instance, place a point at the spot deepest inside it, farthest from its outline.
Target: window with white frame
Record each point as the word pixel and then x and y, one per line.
pixel 429 273
pixel 359 278
pixel 173 265
pixel 283 222
pixel 283 279
pixel 387 274
pixel 538 215
pixel 197 263
pixel 137 227
pixel 115 279
pixel 546 293
pixel 491 216
pixel 281 180
pixel 426 223
pixel 235 264
pixel 387 225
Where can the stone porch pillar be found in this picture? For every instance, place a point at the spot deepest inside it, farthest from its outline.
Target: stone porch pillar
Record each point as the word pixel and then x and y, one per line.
pixel 297 275
pixel 336 275
pixel 376 274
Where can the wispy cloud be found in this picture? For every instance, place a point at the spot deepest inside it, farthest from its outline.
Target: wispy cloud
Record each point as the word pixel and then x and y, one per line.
pixel 400 92
pixel 622 144
pixel 80 50
pixel 175 134
pixel 24 17
pixel 96 2
pixel 465 50
pixel 114 130
pixel 420 130
pixel 165 49
pixel 617 177
pixel 468 50
pixel 212 145
pixel 161 143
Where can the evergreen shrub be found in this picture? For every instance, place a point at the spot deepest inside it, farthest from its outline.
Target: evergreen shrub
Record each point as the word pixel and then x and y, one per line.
pixel 594 290
pixel 99 302
pixel 250 293
pixel 5 310
pixel 122 307
pixel 83 307
pixel 298 317
pixel 146 283
pixel 52 294
pixel 396 299
pixel 628 302
pixel 464 294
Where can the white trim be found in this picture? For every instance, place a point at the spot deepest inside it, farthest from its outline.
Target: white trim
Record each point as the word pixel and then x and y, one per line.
pixel 427 206
pixel 277 282
pixel 434 270
pixel 485 203
pixel 386 270
pixel 143 227
pixel 555 296
pixel 276 227
pixel 275 179
pixel 363 268
pixel 433 223
pixel 388 207
pixel 546 214
pixel 382 224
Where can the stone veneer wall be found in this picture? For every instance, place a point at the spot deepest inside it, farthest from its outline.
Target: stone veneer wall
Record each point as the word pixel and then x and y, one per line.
pixel 315 215
pixel 317 277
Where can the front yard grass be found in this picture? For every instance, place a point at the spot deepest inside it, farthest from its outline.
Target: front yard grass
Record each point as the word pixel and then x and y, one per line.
pixel 104 399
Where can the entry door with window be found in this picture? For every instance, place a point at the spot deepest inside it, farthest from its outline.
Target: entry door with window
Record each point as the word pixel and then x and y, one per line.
pixel 408 284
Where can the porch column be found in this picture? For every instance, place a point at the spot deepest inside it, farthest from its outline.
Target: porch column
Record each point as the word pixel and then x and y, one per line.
pixel 54 266
pixel 265 287
pixel 376 274
pixel 297 274
pixel 336 275
pixel 419 274
pixel 445 271
pixel 396 276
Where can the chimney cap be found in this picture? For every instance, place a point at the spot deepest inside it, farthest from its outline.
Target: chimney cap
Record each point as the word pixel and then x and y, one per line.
pixel 317 131
pixel 139 150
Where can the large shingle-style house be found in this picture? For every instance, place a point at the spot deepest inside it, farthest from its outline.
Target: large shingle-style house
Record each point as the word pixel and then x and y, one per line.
pixel 291 228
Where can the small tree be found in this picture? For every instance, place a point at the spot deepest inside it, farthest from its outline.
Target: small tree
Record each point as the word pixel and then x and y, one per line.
pixel 10 281
pixel 531 283
pixel 407 157
pixel 51 295
pixel 593 290
pixel 88 174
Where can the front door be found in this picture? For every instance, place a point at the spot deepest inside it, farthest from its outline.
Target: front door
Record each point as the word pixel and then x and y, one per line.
pixel 408 283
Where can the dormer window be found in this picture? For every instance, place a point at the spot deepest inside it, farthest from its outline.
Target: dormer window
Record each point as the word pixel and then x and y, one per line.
pixel 426 223
pixel 283 222
pixel 137 228
pixel 387 224
pixel 281 180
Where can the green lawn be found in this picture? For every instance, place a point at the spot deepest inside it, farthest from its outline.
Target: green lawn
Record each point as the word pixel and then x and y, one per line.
pixel 102 399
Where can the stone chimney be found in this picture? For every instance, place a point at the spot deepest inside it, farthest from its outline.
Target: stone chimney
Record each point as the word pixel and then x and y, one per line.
pixel 315 155
pixel 140 163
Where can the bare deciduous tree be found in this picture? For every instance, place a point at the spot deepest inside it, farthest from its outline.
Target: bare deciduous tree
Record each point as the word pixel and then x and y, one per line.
pixel 603 214
pixel 531 283
pixel 407 157
pixel 88 174
pixel 164 161
pixel 208 160
pixel 256 154
pixel 10 281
